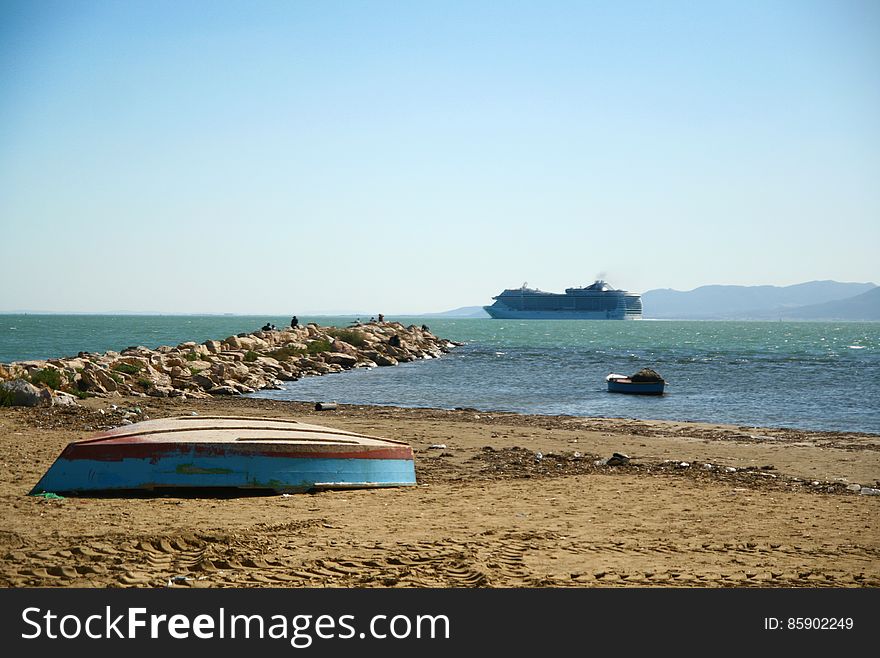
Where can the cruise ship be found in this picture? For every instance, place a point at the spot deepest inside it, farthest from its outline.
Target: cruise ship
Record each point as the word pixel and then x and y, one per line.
pixel 598 301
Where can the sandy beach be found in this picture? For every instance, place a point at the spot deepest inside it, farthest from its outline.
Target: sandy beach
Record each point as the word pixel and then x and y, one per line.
pixel 509 501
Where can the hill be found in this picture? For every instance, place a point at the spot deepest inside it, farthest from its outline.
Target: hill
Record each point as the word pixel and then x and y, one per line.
pixel 749 302
pixel 865 307
pixel 462 312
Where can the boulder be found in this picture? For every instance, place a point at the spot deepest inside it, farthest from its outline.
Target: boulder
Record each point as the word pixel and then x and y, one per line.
pixel 343 347
pixel 223 390
pixel 62 399
pixel 340 358
pixel 381 359
pixel 98 380
pixel 213 346
pixel 19 393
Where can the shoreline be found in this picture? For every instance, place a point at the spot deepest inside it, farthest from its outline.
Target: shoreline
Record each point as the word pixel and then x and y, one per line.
pixel 502 500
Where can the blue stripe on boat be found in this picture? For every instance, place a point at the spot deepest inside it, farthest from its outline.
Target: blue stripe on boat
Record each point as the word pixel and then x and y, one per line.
pixel 186 471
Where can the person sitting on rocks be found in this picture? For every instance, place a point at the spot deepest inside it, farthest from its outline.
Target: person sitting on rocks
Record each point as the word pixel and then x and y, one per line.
pixel 267 327
pixel 394 341
pixel 381 318
pixel 294 321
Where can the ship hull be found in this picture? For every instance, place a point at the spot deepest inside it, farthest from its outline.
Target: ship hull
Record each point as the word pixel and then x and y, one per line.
pixel 514 314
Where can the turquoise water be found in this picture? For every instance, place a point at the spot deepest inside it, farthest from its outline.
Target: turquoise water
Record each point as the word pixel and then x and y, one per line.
pixel 777 374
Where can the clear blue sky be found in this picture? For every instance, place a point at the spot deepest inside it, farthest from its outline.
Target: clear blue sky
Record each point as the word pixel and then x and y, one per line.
pixel 301 157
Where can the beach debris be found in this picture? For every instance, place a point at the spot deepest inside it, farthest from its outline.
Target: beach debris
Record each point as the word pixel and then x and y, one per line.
pixel 869 491
pixel 729 469
pixel 683 465
pixel 48 495
pixel 177 579
pixel 854 487
pixel 708 467
pixel 616 459
pixel 538 456
pixel 439 446
pixel 325 406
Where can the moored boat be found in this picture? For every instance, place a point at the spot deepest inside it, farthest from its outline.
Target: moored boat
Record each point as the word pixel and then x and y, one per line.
pixel 219 454
pixel 644 382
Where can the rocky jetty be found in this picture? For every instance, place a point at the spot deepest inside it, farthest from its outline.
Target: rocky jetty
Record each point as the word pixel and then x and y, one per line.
pixel 239 364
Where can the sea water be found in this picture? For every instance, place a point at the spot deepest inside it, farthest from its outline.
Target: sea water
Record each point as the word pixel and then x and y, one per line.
pixel 809 375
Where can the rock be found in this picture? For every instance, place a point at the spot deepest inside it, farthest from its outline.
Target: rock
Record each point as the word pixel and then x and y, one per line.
pixel 869 491
pixel 617 459
pixel 340 358
pixel 230 363
pixel 381 359
pixel 62 399
pixel 854 487
pixel 20 393
pixel 223 390
pixel 437 446
pixel 341 346
pixel 160 391
pixel 96 379
pixel 205 381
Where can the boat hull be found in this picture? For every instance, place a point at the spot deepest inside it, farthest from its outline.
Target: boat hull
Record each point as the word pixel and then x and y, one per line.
pixel 636 388
pixel 244 455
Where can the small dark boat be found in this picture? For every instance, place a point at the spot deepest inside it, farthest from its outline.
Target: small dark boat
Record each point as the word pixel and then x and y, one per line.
pixel 644 382
pixel 213 454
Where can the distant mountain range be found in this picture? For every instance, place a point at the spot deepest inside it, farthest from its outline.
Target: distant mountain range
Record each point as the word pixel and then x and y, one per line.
pixel 462 312
pixel 815 300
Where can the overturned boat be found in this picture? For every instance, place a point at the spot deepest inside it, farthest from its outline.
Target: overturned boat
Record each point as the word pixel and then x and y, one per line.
pixel 226 455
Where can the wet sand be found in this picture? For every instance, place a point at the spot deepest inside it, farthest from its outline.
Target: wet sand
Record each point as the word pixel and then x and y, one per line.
pixel 489 511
